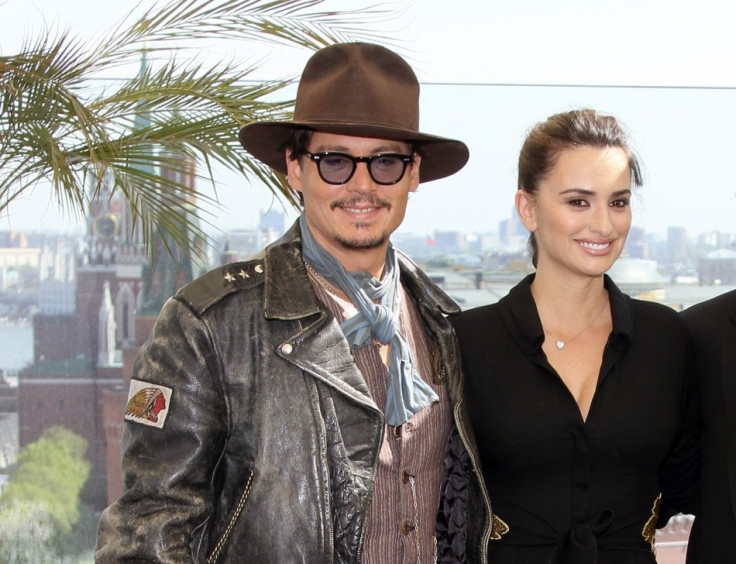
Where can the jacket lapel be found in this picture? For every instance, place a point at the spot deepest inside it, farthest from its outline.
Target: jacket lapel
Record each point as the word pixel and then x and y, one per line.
pixel 322 351
pixel 319 346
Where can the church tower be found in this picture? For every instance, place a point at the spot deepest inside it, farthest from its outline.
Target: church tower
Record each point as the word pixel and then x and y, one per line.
pixel 84 358
pixel 106 329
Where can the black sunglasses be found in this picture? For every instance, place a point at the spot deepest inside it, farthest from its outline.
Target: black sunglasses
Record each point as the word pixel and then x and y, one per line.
pixel 338 168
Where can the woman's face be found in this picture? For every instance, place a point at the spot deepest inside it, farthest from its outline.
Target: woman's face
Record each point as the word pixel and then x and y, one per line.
pixel 581 212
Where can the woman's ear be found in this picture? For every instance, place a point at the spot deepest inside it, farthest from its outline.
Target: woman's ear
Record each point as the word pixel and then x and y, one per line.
pixel 525 208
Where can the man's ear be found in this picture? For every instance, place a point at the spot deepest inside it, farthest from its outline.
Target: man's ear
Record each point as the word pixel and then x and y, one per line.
pixel 414 172
pixel 525 208
pixel 294 171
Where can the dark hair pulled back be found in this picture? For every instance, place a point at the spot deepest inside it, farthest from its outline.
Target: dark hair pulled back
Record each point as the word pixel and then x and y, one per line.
pixel 569 130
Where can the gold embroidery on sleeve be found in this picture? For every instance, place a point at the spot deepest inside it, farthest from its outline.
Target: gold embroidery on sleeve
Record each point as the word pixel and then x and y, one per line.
pixel 649 529
pixel 498 527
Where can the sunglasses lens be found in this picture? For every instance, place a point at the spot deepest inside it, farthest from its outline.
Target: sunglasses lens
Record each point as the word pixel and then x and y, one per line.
pixel 387 169
pixel 336 168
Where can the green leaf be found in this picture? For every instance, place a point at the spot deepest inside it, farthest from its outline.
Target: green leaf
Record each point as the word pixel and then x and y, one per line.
pixel 59 123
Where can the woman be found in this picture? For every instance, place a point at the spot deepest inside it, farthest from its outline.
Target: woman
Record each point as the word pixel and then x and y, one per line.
pixel 579 396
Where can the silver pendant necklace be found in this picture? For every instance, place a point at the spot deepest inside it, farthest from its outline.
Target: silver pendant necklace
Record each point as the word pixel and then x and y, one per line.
pixel 560 344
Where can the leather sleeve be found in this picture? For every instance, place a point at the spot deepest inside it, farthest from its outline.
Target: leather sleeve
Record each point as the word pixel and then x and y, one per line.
pixel 168 471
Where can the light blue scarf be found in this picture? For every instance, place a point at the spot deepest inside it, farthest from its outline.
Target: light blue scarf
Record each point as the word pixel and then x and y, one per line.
pixel 407 392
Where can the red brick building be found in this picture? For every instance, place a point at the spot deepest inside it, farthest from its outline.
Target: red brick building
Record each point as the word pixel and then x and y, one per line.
pixel 83 360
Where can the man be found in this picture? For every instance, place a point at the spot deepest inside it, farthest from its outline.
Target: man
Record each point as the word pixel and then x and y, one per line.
pixel 713 327
pixel 314 397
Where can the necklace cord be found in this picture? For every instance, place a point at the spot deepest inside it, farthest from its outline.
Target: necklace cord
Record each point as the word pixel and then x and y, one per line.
pixel 559 343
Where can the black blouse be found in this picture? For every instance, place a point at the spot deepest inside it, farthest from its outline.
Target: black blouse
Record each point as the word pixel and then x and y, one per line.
pixel 571 489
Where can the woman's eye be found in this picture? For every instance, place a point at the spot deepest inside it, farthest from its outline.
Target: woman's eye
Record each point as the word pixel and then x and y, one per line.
pixel 621 203
pixel 578 202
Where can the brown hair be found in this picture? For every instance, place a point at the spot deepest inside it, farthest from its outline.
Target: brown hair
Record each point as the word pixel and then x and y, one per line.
pixel 567 130
pixel 297 141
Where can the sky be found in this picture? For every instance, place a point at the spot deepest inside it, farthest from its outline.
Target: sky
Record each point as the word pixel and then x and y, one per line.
pixel 489 70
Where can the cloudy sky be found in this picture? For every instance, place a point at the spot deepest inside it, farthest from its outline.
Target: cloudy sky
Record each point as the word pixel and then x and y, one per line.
pixel 490 69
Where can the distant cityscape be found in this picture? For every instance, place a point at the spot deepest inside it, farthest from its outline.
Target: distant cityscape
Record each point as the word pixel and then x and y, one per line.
pixel 38 270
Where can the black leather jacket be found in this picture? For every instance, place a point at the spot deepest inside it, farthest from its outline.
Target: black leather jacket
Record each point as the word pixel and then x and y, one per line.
pixel 269 448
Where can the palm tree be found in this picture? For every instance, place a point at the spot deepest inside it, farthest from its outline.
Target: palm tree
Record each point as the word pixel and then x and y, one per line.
pixel 60 124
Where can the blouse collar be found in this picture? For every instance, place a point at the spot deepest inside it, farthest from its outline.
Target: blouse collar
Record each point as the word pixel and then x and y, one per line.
pixel 519 313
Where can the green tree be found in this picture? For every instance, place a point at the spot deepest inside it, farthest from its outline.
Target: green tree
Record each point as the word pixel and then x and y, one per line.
pixel 51 472
pixel 26 533
pixel 58 125
pixel 45 489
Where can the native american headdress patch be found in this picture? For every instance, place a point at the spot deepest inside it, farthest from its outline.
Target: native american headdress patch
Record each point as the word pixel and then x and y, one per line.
pixel 148 403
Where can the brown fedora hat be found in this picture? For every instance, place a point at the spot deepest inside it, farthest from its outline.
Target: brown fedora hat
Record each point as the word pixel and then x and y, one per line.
pixel 357 89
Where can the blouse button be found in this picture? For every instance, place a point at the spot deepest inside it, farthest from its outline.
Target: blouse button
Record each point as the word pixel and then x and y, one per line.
pixel 287 348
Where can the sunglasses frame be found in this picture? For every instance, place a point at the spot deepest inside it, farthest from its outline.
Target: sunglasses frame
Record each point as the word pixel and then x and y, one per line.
pixel 317 159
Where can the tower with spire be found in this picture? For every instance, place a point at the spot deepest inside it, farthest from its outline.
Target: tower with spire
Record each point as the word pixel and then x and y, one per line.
pixel 83 359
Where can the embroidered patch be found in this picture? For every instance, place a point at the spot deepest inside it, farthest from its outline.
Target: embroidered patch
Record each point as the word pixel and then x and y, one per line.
pixel 148 403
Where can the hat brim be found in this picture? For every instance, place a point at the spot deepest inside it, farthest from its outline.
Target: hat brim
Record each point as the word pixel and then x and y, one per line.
pixel 441 157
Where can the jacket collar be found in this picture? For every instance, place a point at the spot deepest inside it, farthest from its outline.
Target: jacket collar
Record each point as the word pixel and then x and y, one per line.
pixel 289 295
pixel 288 292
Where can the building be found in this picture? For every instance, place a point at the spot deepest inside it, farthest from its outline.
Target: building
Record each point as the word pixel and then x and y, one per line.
pixel 637 244
pixel 17 266
pixel 677 250
pixel 239 244
pixel 512 232
pixel 92 322
pixel 718 267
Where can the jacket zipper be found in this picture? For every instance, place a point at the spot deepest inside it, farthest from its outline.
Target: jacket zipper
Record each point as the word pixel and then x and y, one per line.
pixel 212 558
pixel 463 437
pixel 325 460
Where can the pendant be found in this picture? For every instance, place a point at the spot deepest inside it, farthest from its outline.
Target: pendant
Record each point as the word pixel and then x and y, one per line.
pixel 560 345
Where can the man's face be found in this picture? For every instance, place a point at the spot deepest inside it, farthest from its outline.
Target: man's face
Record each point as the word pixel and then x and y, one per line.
pixel 354 219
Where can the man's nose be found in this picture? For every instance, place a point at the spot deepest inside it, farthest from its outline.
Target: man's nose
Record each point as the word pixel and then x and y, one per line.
pixel 361 180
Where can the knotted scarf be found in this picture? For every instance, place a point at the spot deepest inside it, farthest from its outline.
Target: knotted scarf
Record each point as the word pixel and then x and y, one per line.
pixel 407 393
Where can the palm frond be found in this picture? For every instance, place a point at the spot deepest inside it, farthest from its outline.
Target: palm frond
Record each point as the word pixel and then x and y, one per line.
pixel 59 125
pixel 294 22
